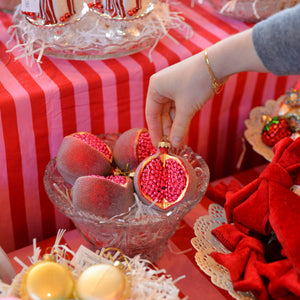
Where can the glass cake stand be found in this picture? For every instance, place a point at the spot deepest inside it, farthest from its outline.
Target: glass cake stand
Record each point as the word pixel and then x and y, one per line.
pixel 92 35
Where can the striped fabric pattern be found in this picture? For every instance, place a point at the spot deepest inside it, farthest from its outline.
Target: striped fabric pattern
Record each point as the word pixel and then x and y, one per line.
pixel 38 110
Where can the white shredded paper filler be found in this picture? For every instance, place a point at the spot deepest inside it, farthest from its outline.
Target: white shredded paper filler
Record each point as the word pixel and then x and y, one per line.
pixel 147 282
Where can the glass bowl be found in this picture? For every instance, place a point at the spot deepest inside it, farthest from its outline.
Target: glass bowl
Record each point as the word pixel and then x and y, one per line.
pixel 251 10
pixel 145 233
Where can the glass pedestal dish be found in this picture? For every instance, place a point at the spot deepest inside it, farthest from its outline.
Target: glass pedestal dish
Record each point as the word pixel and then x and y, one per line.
pixel 91 35
pixel 145 233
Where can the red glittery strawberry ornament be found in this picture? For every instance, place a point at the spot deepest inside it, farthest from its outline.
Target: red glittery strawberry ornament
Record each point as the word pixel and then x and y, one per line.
pixel 275 129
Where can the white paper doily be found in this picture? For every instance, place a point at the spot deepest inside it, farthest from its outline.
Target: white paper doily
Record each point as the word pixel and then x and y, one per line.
pixel 205 243
pixel 255 126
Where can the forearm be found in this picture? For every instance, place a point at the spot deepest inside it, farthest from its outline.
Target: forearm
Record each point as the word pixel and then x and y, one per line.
pixel 187 85
pixel 272 45
pixel 235 54
pixel 176 93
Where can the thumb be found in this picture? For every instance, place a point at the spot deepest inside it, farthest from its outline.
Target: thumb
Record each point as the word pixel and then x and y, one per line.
pixel 180 127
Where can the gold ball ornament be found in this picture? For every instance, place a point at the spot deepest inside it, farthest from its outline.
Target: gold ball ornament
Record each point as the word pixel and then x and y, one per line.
pixel 102 282
pixel 47 279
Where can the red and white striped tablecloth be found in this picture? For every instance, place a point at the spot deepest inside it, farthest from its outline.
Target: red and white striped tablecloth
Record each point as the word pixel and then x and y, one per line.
pixel 38 110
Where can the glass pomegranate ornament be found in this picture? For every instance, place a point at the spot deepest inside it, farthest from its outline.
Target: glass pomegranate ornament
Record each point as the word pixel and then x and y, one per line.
pixel 81 154
pixel 131 148
pixel 103 196
pixel 164 179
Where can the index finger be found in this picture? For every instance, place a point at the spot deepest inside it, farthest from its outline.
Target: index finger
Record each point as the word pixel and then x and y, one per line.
pixel 154 112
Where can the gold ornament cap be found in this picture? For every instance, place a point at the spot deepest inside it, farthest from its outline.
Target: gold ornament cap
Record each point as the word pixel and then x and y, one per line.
pixel 102 282
pixel 266 119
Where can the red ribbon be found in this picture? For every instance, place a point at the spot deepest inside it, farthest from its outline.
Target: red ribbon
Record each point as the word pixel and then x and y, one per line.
pixel 267 203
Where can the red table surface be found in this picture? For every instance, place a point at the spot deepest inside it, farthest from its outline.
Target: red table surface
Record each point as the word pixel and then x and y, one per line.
pixel 38 110
pixel 178 259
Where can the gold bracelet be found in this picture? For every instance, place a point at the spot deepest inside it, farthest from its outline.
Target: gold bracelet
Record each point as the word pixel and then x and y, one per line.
pixel 216 85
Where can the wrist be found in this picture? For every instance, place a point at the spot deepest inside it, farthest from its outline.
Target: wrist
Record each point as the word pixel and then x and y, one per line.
pixel 235 54
pixel 217 84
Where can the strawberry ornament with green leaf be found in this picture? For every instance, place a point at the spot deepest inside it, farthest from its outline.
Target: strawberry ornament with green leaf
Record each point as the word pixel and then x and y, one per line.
pixel 275 129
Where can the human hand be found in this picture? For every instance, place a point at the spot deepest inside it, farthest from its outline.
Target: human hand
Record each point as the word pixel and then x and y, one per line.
pixel 176 93
pixel 174 96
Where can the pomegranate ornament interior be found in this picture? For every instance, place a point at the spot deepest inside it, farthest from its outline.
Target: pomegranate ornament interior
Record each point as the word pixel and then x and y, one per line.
pixel 164 180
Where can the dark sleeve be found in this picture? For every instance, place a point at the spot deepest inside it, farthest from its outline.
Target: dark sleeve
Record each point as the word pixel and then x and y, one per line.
pixel 277 41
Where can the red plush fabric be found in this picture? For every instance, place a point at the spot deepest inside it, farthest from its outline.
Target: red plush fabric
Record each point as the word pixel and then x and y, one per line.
pixel 217 193
pixel 284 281
pixel 262 209
pixel 267 202
pixel 241 263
